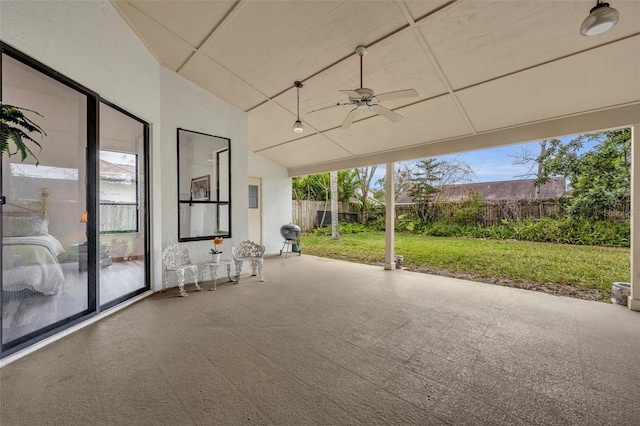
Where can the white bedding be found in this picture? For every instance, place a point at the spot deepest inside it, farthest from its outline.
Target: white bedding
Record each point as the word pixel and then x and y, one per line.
pixel 32 263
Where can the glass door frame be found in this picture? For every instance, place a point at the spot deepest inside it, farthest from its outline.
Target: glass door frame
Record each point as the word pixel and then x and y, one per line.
pixel 146 217
pixel 92 205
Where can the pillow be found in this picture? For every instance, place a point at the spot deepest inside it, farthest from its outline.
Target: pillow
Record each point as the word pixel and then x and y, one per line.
pixel 24 226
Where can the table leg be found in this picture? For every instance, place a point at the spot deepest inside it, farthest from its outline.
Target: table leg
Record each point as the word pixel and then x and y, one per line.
pixel 229 272
pixel 213 275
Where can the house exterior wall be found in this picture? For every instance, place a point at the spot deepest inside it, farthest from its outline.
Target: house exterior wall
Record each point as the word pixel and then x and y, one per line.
pixel 90 43
pixel 189 107
pixel 276 197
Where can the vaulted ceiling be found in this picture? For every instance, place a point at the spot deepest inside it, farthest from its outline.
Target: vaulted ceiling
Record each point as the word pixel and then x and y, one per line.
pixel 487 72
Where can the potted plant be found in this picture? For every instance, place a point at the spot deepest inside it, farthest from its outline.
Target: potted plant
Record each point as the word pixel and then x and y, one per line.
pixel 215 252
pixel 10 117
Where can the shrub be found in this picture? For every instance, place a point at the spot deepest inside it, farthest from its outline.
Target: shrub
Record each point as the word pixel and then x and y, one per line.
pixel 343 228
pixel 561 231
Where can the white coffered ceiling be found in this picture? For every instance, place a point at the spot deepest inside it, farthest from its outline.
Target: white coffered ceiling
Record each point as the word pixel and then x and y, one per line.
pixel 486 72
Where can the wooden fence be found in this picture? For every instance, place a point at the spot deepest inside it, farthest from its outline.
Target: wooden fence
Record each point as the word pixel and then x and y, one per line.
pixel 305 213
pixel 494 212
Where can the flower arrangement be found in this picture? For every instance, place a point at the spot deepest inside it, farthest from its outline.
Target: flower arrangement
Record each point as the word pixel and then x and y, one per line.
pixel 217 241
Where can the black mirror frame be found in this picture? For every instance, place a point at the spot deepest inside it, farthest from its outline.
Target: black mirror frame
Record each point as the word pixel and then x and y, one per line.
pixel 216 202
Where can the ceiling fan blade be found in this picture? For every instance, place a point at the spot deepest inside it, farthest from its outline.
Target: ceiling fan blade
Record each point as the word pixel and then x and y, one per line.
pixel 352 93
pixel 408 93
pixel 327 107
pixel 386 113
pixel 350 117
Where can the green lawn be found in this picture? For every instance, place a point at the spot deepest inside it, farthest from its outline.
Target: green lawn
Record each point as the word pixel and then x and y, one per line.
pixel 579 271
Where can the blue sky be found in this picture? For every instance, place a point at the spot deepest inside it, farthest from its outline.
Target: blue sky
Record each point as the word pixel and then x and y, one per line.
pixel 495 164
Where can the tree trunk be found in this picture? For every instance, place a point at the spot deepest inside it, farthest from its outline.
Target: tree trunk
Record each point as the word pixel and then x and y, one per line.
pixel 333 178
pixel 543 147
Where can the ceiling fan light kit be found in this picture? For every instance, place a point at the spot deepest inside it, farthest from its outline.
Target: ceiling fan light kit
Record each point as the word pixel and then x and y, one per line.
pixel 364 99
pixel 601 18
pixel 297 126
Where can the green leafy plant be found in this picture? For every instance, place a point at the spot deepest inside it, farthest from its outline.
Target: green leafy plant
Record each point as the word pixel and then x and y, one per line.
pixel 11 117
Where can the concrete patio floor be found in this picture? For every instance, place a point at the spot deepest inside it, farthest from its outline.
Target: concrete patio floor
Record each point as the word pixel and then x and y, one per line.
pixel 332 343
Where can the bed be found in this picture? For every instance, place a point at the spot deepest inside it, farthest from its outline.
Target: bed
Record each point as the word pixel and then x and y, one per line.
pixel 29 252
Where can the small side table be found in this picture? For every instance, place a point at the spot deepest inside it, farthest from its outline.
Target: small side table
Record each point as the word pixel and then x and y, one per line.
pixel 213 271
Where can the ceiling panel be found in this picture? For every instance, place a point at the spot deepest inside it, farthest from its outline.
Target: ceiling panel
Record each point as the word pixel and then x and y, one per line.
pixel 212 77
pixel 270 124
pixel 419 8
pixel 396 63
pixel 191 20
pixel 425 122
pixel 604 77
pixel 508 62
pixel 310 150
pixel 170 50
pixel 477 41
pixel 270 44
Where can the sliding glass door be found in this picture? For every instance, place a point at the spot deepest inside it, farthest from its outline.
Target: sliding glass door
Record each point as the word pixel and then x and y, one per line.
pixel 122 183
pixel 74 219
pixel 45 280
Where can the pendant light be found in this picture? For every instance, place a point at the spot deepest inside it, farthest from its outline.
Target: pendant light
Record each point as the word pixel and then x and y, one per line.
pixel 297 126
pixel 601 18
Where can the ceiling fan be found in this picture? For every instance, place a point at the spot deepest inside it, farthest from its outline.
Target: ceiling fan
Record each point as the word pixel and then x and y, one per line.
pixel 365 99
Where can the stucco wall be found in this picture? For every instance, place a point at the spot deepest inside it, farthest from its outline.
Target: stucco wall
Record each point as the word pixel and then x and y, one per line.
pixel 184 105
pixel 90 43
pixel 276 196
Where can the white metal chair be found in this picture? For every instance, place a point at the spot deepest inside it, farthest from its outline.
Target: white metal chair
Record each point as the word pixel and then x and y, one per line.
pixel 176 259
pixel 248 251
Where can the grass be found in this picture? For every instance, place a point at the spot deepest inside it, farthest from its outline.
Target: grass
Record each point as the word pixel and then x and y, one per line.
pixel 585 272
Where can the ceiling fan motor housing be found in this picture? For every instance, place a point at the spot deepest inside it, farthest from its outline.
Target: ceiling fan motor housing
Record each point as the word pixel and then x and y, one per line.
pixel 366 95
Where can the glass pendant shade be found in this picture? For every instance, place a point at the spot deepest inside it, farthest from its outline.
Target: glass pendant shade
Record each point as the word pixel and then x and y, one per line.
pixel 298 127
pixel 600 19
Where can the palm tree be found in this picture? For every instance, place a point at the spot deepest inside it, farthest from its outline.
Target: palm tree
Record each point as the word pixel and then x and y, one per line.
pixel 13 115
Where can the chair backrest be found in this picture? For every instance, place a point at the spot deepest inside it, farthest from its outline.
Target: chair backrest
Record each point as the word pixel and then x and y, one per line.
pixel 247 249
pixel 173 256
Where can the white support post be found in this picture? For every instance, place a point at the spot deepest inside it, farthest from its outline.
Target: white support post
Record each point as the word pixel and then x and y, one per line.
pixel 390 215
pixel 634 297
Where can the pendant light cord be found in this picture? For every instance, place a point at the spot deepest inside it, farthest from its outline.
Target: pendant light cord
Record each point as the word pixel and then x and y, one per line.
pixel 361 71
pixel 298 92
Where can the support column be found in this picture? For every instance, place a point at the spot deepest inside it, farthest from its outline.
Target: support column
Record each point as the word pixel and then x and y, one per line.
pixel 390 216
pixel 634 297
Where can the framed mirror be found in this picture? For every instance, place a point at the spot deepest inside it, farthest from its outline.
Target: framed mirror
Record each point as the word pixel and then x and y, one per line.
pixel 204 186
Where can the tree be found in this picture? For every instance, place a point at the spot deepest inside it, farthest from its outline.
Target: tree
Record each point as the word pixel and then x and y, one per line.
pixel 334 205
pixel 402 175
pixel 363 185
pixel 430 180
pixel 600 178
pixel 423 187
pixel 311 187
pixel 320 187
pixel 536 167
pixel 11 116
pixel 347 185
pixel 317 187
